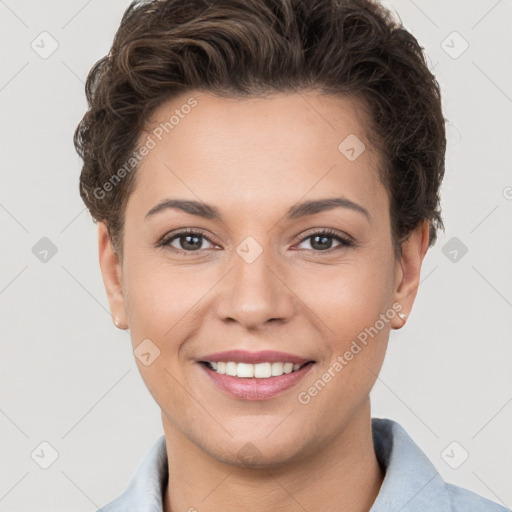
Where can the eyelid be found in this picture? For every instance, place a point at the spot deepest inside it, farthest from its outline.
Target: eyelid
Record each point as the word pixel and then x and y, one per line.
pixel 165 241
pixel 347 239
pixel 344 239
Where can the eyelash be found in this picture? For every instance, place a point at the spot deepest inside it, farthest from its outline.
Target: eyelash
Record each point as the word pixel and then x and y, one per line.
pixel 344 241
pixel 330 233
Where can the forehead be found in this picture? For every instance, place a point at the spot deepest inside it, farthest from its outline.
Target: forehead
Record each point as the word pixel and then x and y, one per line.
pixel 256 152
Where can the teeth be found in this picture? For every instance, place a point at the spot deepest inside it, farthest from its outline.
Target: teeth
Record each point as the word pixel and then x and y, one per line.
pixel 231 369
pixel 259 371
pixel 244 370
pixel 263 370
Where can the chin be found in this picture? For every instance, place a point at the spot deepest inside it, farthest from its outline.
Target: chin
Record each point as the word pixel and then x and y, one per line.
pixel 257 450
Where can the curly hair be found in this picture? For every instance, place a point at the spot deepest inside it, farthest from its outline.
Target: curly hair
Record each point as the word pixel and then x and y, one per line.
pixel 243 48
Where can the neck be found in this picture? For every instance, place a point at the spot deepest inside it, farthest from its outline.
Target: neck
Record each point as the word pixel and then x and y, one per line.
pixel 342 474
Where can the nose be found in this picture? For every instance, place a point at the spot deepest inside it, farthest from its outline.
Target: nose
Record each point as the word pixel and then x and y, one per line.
pixel 254 294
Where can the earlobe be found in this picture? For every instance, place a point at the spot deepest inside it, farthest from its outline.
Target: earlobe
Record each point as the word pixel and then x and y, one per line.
pixel 112 277
pixel 408 272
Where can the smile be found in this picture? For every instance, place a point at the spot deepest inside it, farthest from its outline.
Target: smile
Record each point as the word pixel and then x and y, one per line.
pixel 258 371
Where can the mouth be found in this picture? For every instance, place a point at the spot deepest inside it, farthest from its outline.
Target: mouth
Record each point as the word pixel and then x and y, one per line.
pixel 254 376
pixel 264 370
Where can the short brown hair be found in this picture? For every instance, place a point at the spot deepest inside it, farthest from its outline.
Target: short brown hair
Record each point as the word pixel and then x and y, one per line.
pixel 352 48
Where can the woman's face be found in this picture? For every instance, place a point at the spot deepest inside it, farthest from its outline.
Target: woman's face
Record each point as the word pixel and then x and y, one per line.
pixel 262 274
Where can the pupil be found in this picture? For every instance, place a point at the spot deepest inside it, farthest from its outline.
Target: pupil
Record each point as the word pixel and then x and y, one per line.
pixel 188 245
pixel 326 240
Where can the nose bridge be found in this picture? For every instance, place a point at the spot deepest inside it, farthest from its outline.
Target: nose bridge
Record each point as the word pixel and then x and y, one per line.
pixel 255 292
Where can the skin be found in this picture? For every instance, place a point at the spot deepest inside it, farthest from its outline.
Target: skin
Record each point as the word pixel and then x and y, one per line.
pixel 253 159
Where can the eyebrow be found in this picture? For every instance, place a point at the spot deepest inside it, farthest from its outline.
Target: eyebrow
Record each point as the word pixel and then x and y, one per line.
pixel 298 210
pixel 320 205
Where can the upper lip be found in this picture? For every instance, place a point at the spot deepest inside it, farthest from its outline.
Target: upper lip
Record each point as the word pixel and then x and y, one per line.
pixel 265 356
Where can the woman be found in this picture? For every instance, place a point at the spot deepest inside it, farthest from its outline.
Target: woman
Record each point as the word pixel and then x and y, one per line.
pixel 265 176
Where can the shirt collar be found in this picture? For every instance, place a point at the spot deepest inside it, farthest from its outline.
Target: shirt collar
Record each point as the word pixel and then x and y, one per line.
pixel 411 482
pixel 147 485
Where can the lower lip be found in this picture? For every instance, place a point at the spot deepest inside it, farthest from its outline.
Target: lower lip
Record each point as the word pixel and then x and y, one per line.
pixel 255 389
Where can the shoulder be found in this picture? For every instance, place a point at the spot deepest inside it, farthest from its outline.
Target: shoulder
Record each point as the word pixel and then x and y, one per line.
pixel 146 487
pixel 464 500
pixel 411 482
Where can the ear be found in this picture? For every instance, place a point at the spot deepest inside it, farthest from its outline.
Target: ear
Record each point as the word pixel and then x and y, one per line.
pixel 408 271
pixel 112 277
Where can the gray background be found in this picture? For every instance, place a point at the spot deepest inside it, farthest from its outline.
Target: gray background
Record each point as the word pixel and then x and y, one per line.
pixel 69 376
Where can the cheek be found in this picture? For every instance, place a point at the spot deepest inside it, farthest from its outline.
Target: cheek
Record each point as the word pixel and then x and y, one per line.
pixel 148 305
pixel 159 303
pixel 166 305
pixel 349 300
pixel 158 295
pixel 341 299
pixel 348 297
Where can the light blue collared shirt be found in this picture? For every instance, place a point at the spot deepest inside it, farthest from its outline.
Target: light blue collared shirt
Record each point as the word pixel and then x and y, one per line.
pixel 411 482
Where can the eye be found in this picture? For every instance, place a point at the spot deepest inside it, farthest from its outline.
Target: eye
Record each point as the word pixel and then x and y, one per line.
pixel 189 241
pixel 185 241
pixel 321 241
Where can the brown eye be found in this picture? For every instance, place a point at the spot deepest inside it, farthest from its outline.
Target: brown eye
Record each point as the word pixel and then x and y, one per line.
pixel 185 241
pixel 322 241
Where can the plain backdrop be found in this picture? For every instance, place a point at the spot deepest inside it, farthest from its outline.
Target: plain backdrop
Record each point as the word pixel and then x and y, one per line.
pixel 68 376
